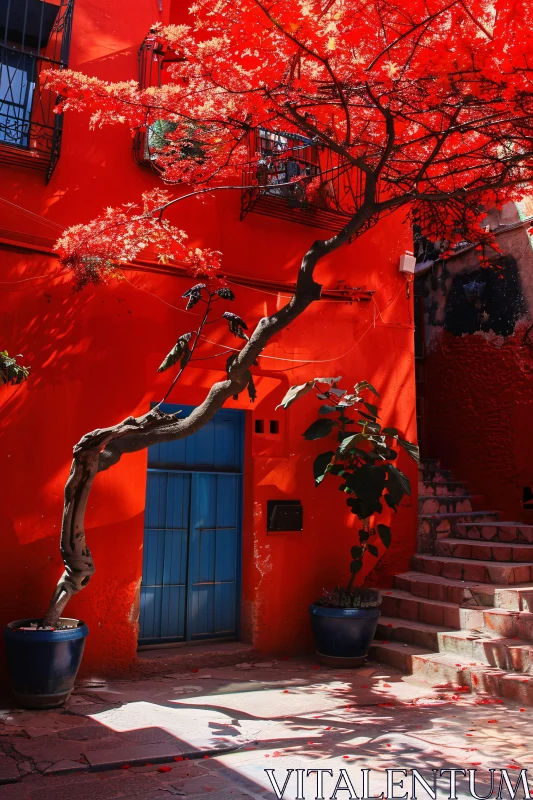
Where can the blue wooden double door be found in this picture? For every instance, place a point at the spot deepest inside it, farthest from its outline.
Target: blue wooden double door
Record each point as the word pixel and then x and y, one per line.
pixel 190 586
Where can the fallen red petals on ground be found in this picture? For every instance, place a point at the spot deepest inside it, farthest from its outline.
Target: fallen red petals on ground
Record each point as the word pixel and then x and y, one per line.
pixel 164 769
pixel 386 686
pixel 178 758
pixel 126 766
pixel 522 709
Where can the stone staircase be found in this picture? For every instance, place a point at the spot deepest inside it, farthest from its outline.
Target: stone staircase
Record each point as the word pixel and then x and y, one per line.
pixel 462 616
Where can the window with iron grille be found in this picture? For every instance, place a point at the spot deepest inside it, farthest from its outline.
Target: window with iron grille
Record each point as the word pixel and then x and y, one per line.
pixel 34 35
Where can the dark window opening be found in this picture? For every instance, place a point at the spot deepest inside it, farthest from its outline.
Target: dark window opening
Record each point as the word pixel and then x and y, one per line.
pixel 34 35
pixel 527 498
pixel 259 426
pixel 274 426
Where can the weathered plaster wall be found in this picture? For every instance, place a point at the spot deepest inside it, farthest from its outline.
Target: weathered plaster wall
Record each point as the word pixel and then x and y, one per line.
pixel 94 359
pixel 479 369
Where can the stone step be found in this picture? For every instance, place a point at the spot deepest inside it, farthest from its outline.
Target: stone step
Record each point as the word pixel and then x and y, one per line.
pixel 446 671
pixel 441 669
pixel 510 654
pixel 434 474
pixel 484 551
pixel 446 504
pixel 430 488
pixel 437 525
pixel 403 605
pixel 396 654
pixel 430 462
pixel 509 624
pixel 502 532
pixel 434 587
pixel 477 571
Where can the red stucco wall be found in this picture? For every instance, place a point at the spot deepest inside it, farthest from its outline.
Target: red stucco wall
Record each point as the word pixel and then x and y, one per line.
pixel 480 401
pixel 94 357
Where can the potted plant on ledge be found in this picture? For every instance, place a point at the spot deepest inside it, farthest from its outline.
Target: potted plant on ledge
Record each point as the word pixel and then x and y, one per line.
pixel 344 620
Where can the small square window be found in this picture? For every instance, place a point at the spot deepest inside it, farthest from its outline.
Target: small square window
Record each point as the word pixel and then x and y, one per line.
pixel 274 426
pixel 259 426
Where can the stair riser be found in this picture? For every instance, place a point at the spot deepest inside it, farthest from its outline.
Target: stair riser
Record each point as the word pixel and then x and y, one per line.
pixel 420 610
pixel 444 505
pixel 484 551
pixel 399 660
pixel 442 527
pixel 439 488
pixel 508 599
pixel 434 474
pixel 444 593
pixel 494 654
pixel 510 625
pixel 509 686
pixel 420 638
pixel 493 533
pixel 457 569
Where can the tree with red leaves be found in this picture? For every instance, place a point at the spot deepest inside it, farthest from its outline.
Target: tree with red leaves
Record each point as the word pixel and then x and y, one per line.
pixel 429 102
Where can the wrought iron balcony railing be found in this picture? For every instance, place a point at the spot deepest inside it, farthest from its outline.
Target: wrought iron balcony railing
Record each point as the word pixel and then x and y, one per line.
pixel 271 185
pixel 34 35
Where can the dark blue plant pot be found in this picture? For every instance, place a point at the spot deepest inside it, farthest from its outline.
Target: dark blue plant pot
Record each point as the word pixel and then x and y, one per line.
pixel 43 664
pixel 343 634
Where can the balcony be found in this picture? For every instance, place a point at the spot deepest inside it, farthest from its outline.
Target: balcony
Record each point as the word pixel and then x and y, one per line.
pixel 277 159
pixel 34 35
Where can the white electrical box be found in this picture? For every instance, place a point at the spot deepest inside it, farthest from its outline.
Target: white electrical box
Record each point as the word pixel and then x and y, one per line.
pixel 407 263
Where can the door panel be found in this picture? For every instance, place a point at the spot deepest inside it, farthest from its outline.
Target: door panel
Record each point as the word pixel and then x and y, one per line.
pixel 163 589
pixel 191 563
pixel 213 556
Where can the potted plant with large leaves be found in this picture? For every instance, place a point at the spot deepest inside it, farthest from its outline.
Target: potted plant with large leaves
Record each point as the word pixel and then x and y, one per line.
pixel 344 620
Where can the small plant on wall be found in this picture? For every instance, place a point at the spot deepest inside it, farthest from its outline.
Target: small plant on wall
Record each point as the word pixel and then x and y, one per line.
pixel 362 460
pixel 11 372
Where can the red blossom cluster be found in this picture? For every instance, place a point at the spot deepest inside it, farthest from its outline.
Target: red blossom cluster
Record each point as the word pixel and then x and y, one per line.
pixel 431 100
pixel 96 251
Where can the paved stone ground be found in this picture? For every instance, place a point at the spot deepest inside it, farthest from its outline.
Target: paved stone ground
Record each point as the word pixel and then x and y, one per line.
pixel 201 733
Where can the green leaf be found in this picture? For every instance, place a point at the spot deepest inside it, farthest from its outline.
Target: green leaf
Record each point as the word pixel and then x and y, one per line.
pixel 194 294
pixel 365 385
pixel 321 466
pixel 226 293
pixel 236 324
pixel 319 429
pixel 329 381
pixel 372 549
pixel 366 416
pixel 384 534
pixel 391 432
pixel 356 566
pixel 350 441
pixel 337 469
pixel 326 409
pixel 398 484
pixel 411 449
pixel 356 551
pixel 252 392
pixel 294 393
pixel 373 427
pixel 180 352
pixel 372 408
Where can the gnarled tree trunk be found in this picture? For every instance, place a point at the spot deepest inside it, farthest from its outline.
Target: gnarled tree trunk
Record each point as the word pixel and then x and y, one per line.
pixel 101 449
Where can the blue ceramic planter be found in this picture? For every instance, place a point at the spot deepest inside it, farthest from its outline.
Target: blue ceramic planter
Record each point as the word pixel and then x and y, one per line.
pixel 344 633
pixel 43 664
